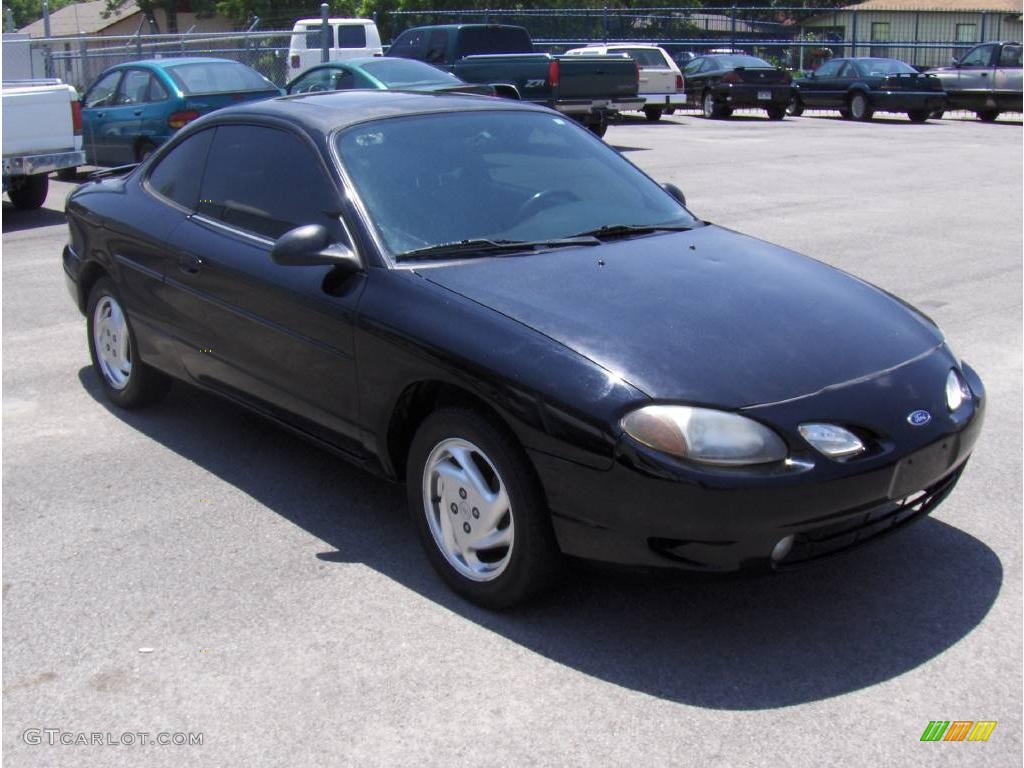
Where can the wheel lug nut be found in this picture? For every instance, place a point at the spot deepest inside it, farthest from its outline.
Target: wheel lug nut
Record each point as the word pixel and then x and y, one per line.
pixel 462 493
pixel 476 512
pixel 454 508
pixel 466 528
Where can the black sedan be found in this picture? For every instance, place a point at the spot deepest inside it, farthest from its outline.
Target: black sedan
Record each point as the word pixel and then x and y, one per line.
pixel 720 83
pixel 862 86
pixel 480 298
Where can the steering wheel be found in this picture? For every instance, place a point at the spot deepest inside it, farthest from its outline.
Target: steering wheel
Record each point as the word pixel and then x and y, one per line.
pixel 544 199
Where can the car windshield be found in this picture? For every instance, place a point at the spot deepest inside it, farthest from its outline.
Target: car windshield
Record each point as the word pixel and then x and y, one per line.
pixel 406 73
pixel 732 62
pixel 217 77
pixel 501 176
pixel 870 67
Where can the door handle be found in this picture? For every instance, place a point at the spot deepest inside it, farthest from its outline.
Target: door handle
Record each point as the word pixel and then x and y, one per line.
pixel 137 112
pixel 984 74
pixel 100 114
pixel 190 265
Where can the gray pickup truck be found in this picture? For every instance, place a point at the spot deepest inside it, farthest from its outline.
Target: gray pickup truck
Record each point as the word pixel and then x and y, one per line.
pixel 586 88
pixel 986 80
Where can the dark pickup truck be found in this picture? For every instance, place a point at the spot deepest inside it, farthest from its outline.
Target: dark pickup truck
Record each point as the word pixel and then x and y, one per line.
pixel 586 88
pixel 986 80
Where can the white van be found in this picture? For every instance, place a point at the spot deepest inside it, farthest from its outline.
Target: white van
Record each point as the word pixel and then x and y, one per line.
pixel 349 38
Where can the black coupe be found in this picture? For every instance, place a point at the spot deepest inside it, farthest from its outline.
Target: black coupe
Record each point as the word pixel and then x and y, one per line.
pixel 720 83
pixel 480 298
pixel 860 87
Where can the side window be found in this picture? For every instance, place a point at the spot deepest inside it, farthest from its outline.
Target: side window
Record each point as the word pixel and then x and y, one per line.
pixel 342 80
pixel 1010 56
pixel 102 92
pixel 978 57
pixel 828 69
pixel 134 87
pixel 315 80
pixel 848 72
pixel 235 188
pixel 178 174
pixel 436 46
pixel 157 91
pixel 693 67
pixel 411 44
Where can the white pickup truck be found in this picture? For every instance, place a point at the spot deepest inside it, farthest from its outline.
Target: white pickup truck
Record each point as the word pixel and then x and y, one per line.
pixel 42 133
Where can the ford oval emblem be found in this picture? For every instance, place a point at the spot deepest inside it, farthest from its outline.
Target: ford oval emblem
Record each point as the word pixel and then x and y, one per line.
pixel 919 418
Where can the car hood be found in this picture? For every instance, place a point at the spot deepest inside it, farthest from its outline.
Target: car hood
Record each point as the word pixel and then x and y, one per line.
pixel 706 316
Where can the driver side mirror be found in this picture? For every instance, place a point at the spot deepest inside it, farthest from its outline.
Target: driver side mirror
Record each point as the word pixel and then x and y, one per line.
pixel 676 192
pixel 956 62
pixel 310 246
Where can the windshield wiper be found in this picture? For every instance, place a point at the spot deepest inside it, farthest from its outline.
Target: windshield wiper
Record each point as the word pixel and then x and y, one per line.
pixel 624 230
pixel 485 247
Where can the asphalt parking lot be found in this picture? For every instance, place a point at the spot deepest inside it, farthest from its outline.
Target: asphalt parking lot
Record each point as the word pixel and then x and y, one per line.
pixel 191 569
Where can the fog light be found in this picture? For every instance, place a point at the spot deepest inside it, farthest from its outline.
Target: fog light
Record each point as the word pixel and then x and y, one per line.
pixel 832 440
pixel 782 548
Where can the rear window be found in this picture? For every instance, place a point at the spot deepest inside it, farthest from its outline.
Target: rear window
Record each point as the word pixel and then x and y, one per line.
pixel 647 58
pixel 474 41
pixel 218 77
pixel 352 36
pixel 732 62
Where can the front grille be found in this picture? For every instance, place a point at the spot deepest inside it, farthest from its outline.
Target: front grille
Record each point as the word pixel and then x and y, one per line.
pixel 869 525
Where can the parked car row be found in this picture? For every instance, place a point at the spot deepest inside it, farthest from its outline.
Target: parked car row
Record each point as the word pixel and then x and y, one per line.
pixel 133 108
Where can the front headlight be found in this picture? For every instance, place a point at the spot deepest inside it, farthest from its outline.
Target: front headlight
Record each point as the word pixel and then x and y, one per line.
pixel 956 391
pixel 704 435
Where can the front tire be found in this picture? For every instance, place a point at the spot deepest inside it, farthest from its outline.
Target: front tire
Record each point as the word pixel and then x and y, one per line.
pixel 988 115
pixel 775 113
pixel 126 380
pixel 918 115
pixel 860 107
pixel 478 509
pixel 653 114
pixel 29 192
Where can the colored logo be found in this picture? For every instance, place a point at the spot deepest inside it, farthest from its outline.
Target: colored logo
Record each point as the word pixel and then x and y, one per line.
pixel 958 730
pixel 919 418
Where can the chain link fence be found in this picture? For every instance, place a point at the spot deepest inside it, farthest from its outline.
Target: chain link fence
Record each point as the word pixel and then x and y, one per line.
pixel 795 38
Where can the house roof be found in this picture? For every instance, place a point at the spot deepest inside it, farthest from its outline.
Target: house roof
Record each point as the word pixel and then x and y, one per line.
pixel 998 6
pixel 82 19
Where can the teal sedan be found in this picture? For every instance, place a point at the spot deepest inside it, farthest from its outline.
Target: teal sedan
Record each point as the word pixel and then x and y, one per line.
pixel 381 74
pixel 133 108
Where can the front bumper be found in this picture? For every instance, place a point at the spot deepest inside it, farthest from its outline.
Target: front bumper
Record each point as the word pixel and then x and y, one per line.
pixel 738 96
pixel 653 511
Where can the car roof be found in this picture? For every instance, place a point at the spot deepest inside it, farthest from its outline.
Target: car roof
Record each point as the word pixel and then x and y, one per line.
pixel 164 63
pixel 465 26
pixel 339 109
pixel 360 60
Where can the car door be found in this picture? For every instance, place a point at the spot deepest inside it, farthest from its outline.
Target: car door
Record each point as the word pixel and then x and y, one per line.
pixel 95 105
pixel 976 72
pixel 1008 78
pixel 277 337
pixel 124 118
pixel 828 90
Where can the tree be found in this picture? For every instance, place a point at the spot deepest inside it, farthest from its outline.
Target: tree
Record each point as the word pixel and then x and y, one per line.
pixel 27 11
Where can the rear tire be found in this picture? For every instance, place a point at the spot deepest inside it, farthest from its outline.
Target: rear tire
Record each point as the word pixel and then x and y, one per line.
pixel 143 151
pixel 918 115
pixel 860 107
pixel 126 380
pixel 599 128
pixel 68 174
pixel 988 115
pixel 937 115
pixel 711 109
pixel 462 460
pixel 796 107
pixel 29 192
pixel 669 111
pixel 776 113
pixel 653 114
